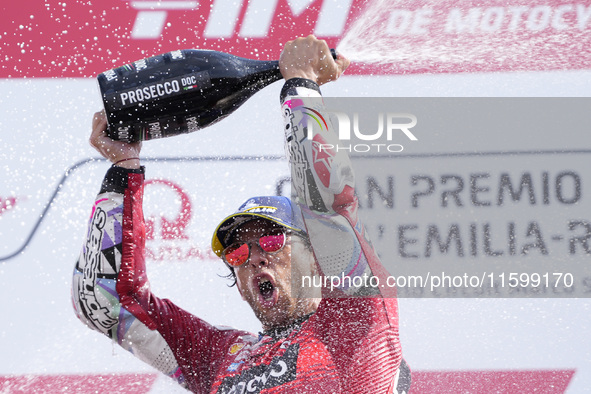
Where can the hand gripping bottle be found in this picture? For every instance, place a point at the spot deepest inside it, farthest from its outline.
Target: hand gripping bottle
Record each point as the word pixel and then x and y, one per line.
pixel 179 92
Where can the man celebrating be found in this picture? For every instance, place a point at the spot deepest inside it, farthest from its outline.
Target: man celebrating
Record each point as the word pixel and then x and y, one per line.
pixel 314 340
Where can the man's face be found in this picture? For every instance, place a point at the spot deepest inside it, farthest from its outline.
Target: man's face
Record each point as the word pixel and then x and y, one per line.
pixel 265 280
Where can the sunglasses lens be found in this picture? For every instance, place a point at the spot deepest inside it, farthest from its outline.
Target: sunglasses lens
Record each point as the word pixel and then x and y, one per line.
pixel 236 254
pixel 239 252
pixel 272 243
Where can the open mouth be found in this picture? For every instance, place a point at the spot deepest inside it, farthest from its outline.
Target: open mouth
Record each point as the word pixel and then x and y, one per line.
pixel 267 290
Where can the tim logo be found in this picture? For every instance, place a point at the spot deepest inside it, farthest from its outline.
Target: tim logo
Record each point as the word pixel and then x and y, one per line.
pixel 243 18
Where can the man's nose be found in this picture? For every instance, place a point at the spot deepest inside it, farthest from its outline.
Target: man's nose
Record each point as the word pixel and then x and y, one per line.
pixel 258 257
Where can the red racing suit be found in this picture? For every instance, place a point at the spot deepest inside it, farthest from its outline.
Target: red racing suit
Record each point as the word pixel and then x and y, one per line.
pixel 349 345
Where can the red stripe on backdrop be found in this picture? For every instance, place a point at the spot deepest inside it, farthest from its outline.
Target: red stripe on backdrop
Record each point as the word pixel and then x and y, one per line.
pixel 84 38
pixel 548 382
pixel 136 383
pixel 423 382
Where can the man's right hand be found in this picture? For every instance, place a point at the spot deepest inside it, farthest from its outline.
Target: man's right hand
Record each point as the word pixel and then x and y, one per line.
pixel 112 150
pixel 310 58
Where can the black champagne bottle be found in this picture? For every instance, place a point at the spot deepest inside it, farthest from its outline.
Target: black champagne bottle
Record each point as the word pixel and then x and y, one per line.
pixel 179 92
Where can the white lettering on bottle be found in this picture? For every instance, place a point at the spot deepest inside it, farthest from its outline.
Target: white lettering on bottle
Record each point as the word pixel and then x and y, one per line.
pixel 155 130
pixel 123 133
pixel 192 124
pixel 132 98
pixel 176 55
pixel 141 65
pixel 149 92
pixel 188 81
pixel 110 75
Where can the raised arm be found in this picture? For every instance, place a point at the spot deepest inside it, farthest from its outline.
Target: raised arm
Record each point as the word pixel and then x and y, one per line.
pixel 322 176
pixel 324 183
pixel 110 288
